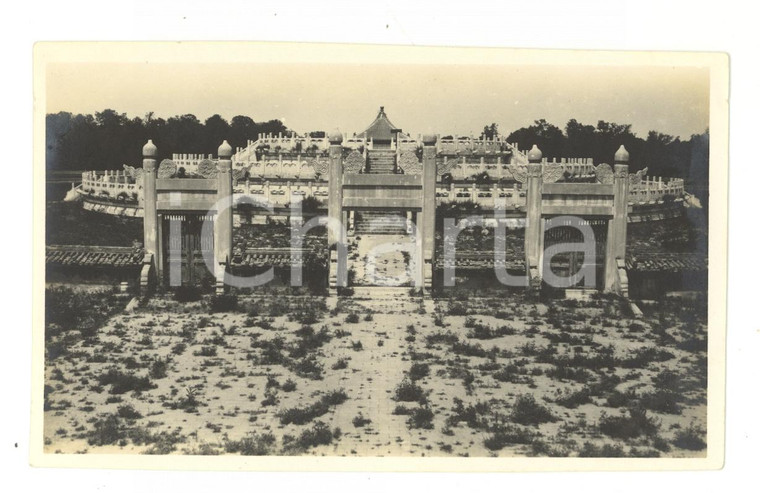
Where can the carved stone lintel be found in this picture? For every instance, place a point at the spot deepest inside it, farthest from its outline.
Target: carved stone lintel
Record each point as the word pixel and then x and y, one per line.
pixel 552 172
pixel 166 169
pixel 320 165
pixel 239 173
pixel 519 172
pixel 604 174
pixel 353 163
pixel 446 166
pixel 409 163
pixel 207 168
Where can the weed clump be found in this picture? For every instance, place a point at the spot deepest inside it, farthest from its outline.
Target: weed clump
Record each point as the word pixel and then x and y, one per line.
pixel 421 418
pixel 303 415
pixel 419 371
pixel 360 421
pixel 106 431
pixel 529 412
pixel 318 434
pixel 691 438
pixel 252 444
pixel 159 369
pixel 635 424
pixel 408 391
pixel 507 434
pixel 122 383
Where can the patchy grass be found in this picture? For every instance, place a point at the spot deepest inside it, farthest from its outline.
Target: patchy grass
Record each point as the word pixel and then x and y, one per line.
pixel 303 415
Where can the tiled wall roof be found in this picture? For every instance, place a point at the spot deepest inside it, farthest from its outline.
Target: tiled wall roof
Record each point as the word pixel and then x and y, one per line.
pixel 93 256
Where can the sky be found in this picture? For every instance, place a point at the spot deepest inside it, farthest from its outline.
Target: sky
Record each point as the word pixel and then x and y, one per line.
pixel 432 98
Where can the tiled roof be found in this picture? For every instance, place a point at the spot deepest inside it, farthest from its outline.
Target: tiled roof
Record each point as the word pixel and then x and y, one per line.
pixel 381 128
pixel 271 256
pixel 93 256
pixel 667 262
pixel 673 245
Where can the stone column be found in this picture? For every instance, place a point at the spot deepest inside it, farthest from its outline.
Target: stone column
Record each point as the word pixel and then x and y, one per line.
pixel 429 175
pixel 223 223
pixel 533 231
pixel 150 220
pixel 335 186
pixel 534 228
pixel 618 226
pixel 335 206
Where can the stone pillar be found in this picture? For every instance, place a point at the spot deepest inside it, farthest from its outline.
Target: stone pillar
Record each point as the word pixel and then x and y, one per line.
pixel 429 175
pixel 618 226
pixel 267 191
pixel 335 186
pixel 223 223
pixel 150 220
pixel 534 228
pixel 335 238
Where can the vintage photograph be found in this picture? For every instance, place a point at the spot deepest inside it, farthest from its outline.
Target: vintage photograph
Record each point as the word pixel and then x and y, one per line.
pixel 405 253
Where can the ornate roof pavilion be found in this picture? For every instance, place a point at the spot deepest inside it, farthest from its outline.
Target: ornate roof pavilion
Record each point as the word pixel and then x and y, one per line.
pixel 382 129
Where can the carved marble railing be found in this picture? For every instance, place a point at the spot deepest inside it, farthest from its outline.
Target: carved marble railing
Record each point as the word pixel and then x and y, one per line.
pixel 654 190
pixel 278 181
pixel 114 185
pixel 190 161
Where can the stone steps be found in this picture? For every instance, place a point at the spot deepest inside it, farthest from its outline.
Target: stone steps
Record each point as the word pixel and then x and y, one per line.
pixel 381 162
pixel 400 293
pixel 388 223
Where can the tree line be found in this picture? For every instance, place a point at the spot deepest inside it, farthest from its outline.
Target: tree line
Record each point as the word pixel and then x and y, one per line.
pixel 108 139
pixel 663 154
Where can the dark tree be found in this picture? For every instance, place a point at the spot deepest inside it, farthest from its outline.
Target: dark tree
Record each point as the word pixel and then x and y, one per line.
pixel 549 138
pixel 242 129
pixel 216 130
pixel 490 131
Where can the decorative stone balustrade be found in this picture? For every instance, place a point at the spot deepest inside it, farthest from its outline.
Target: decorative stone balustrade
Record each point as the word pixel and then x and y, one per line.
pixel 653 190
pixel 278 180
pixel 114 185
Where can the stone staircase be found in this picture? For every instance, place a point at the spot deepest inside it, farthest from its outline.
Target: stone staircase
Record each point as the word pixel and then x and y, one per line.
pixel 381 161
pixel 380 223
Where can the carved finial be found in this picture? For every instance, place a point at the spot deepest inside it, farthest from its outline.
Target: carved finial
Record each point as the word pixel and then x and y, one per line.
pixel 225 150
pixel 622 155
pixel 429 139
pixel 150 149
pixel 535 155
pixel 336 138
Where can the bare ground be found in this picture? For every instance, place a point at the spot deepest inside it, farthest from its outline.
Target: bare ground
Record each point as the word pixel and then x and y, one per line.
pixel 493 377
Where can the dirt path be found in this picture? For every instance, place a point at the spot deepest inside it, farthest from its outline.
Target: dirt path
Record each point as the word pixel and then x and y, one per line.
pixel 384 361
